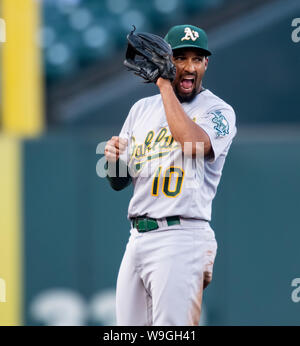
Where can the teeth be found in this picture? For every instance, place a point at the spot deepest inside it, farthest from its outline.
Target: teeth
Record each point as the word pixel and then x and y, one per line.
pixel 190 79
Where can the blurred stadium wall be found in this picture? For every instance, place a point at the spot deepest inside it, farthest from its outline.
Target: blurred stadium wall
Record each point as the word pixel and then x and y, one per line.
pixel 63 231
pixel 21 116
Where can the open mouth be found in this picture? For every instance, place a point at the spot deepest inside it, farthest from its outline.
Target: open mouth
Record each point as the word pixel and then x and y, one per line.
pixel 187 84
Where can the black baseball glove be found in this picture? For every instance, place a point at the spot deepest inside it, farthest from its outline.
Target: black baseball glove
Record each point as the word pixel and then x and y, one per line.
pixel 149 56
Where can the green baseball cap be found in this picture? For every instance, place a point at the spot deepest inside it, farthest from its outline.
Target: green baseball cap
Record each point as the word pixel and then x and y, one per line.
pixel 184 36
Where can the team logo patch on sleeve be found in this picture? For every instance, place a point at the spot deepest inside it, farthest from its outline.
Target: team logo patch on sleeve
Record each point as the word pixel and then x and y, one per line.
pixel 222 124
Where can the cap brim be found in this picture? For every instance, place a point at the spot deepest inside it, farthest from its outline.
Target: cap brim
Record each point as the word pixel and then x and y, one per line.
pixel 205 51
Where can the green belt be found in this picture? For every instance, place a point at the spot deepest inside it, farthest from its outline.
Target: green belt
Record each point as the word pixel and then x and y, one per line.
pixel 146 224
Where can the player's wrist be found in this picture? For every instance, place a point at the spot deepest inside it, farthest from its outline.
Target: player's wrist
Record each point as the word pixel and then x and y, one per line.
pixel 113 159
pixel 163 83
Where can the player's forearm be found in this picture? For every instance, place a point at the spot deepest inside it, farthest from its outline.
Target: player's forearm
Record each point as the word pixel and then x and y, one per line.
pixel 116 182
pixel 183 129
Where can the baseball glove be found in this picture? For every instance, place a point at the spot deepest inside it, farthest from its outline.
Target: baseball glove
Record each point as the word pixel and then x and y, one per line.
pixel 149 56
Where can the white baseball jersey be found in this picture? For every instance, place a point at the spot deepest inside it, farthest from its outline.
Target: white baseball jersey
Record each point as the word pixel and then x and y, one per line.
pixel 166 182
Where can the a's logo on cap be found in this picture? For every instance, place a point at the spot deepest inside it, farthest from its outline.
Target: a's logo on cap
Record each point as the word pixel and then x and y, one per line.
pixel 190 34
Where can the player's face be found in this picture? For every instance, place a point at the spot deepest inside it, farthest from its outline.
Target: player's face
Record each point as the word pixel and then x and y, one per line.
pixel 190 69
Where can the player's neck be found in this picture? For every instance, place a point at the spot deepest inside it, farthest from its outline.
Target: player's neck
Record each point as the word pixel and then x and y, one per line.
pixel 201 88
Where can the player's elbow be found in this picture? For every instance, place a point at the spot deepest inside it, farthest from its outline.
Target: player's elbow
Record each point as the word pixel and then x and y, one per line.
pixel 193 148
pixel 118 187
pixel 119 183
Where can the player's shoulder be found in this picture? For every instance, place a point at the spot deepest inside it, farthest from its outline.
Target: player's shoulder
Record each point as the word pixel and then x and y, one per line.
pixel 213 101
pixel 148 101
pixel 142 104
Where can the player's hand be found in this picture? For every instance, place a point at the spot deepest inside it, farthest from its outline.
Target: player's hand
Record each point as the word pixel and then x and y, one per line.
pixel 114 147
pixel 207 279
pixel 161 82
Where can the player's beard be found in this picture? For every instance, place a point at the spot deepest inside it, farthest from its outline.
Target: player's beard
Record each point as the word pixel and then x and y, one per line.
pixel 185 98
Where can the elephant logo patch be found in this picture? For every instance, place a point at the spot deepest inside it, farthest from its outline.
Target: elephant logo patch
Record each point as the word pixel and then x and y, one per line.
pixel 222 124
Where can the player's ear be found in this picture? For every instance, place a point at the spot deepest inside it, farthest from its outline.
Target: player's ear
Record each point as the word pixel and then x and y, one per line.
pixel 206 62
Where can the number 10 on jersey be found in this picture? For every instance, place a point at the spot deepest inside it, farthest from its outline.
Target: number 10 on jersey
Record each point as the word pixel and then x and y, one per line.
pixel 167 177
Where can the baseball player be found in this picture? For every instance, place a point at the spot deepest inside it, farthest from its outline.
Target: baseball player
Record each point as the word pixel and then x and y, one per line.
pixel 171 249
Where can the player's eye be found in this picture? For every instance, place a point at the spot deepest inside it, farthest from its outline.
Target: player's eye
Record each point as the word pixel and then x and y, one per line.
pixel 179 58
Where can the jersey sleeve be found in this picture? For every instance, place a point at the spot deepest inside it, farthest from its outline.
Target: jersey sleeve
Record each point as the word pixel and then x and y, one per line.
pixel 220 126
pixel 116 181
pixel 126 130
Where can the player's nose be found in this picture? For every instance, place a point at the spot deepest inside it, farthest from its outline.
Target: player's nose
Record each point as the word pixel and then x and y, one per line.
pixel 190 66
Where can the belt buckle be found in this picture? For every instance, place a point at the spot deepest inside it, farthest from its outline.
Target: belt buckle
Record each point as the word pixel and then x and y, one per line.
pixel 146 224
pixel 146 220
pixel 153 221
pixel 137 223
pixel 141 218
